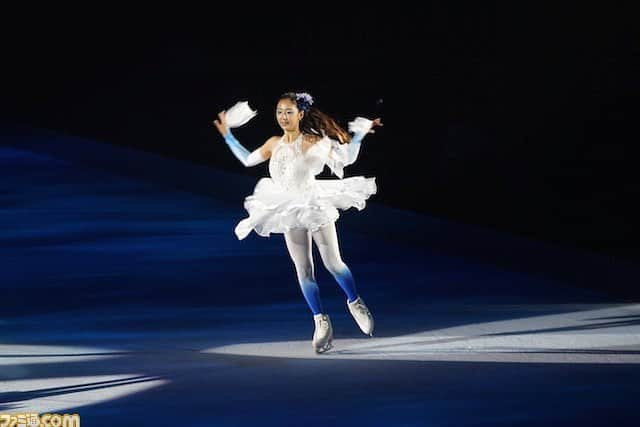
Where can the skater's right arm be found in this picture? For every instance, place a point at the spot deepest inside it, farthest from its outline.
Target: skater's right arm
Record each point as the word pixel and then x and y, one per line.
pixel 247 158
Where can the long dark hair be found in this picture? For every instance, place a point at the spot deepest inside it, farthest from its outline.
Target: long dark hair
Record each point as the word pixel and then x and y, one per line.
pixel 315 122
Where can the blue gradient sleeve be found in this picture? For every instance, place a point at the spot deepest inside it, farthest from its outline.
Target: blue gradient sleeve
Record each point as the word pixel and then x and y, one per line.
pixel 246 158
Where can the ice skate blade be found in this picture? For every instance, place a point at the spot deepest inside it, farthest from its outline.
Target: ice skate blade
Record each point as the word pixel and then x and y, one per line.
pixel 324 348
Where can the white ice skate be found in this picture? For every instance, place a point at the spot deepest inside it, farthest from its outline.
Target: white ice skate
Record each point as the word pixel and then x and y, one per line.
pixel 323 335
pixel 362 315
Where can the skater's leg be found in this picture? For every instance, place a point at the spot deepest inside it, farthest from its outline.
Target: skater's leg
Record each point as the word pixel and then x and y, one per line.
pixel 326 239
pixel 299 246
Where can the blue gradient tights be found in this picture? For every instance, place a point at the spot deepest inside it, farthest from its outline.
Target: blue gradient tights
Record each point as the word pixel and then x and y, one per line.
pixel 299 246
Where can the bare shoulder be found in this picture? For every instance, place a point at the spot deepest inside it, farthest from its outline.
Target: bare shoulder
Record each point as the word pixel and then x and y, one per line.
pixel 271 142
pixel 267 148
pixel 273 139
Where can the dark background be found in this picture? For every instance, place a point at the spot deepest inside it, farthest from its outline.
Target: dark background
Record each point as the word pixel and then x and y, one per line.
pixel 520 119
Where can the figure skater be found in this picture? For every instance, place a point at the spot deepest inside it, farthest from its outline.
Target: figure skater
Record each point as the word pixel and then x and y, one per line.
pixel 293 202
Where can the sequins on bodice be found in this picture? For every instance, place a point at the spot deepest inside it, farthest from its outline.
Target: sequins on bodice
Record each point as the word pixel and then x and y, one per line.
pixel 289 166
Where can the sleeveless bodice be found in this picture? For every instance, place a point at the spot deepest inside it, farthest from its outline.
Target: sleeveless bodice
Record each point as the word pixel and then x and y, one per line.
pixel 293 169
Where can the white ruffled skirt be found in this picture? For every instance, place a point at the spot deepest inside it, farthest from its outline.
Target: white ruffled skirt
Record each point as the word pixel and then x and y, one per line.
pixel 272 209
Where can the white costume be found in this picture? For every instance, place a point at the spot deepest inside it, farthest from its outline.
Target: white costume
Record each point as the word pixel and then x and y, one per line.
pixel 292 198
pixel 293 202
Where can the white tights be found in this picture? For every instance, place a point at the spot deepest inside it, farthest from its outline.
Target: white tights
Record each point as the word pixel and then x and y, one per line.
pixel 299 246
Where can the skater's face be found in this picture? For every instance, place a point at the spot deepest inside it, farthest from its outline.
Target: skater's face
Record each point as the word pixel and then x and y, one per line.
pixel 288 115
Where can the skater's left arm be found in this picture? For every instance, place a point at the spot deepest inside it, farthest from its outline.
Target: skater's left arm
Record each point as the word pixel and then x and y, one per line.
pixel 360 127
pixel 343 155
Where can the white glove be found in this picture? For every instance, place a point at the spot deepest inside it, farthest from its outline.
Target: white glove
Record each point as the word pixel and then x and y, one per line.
pixel 239 114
